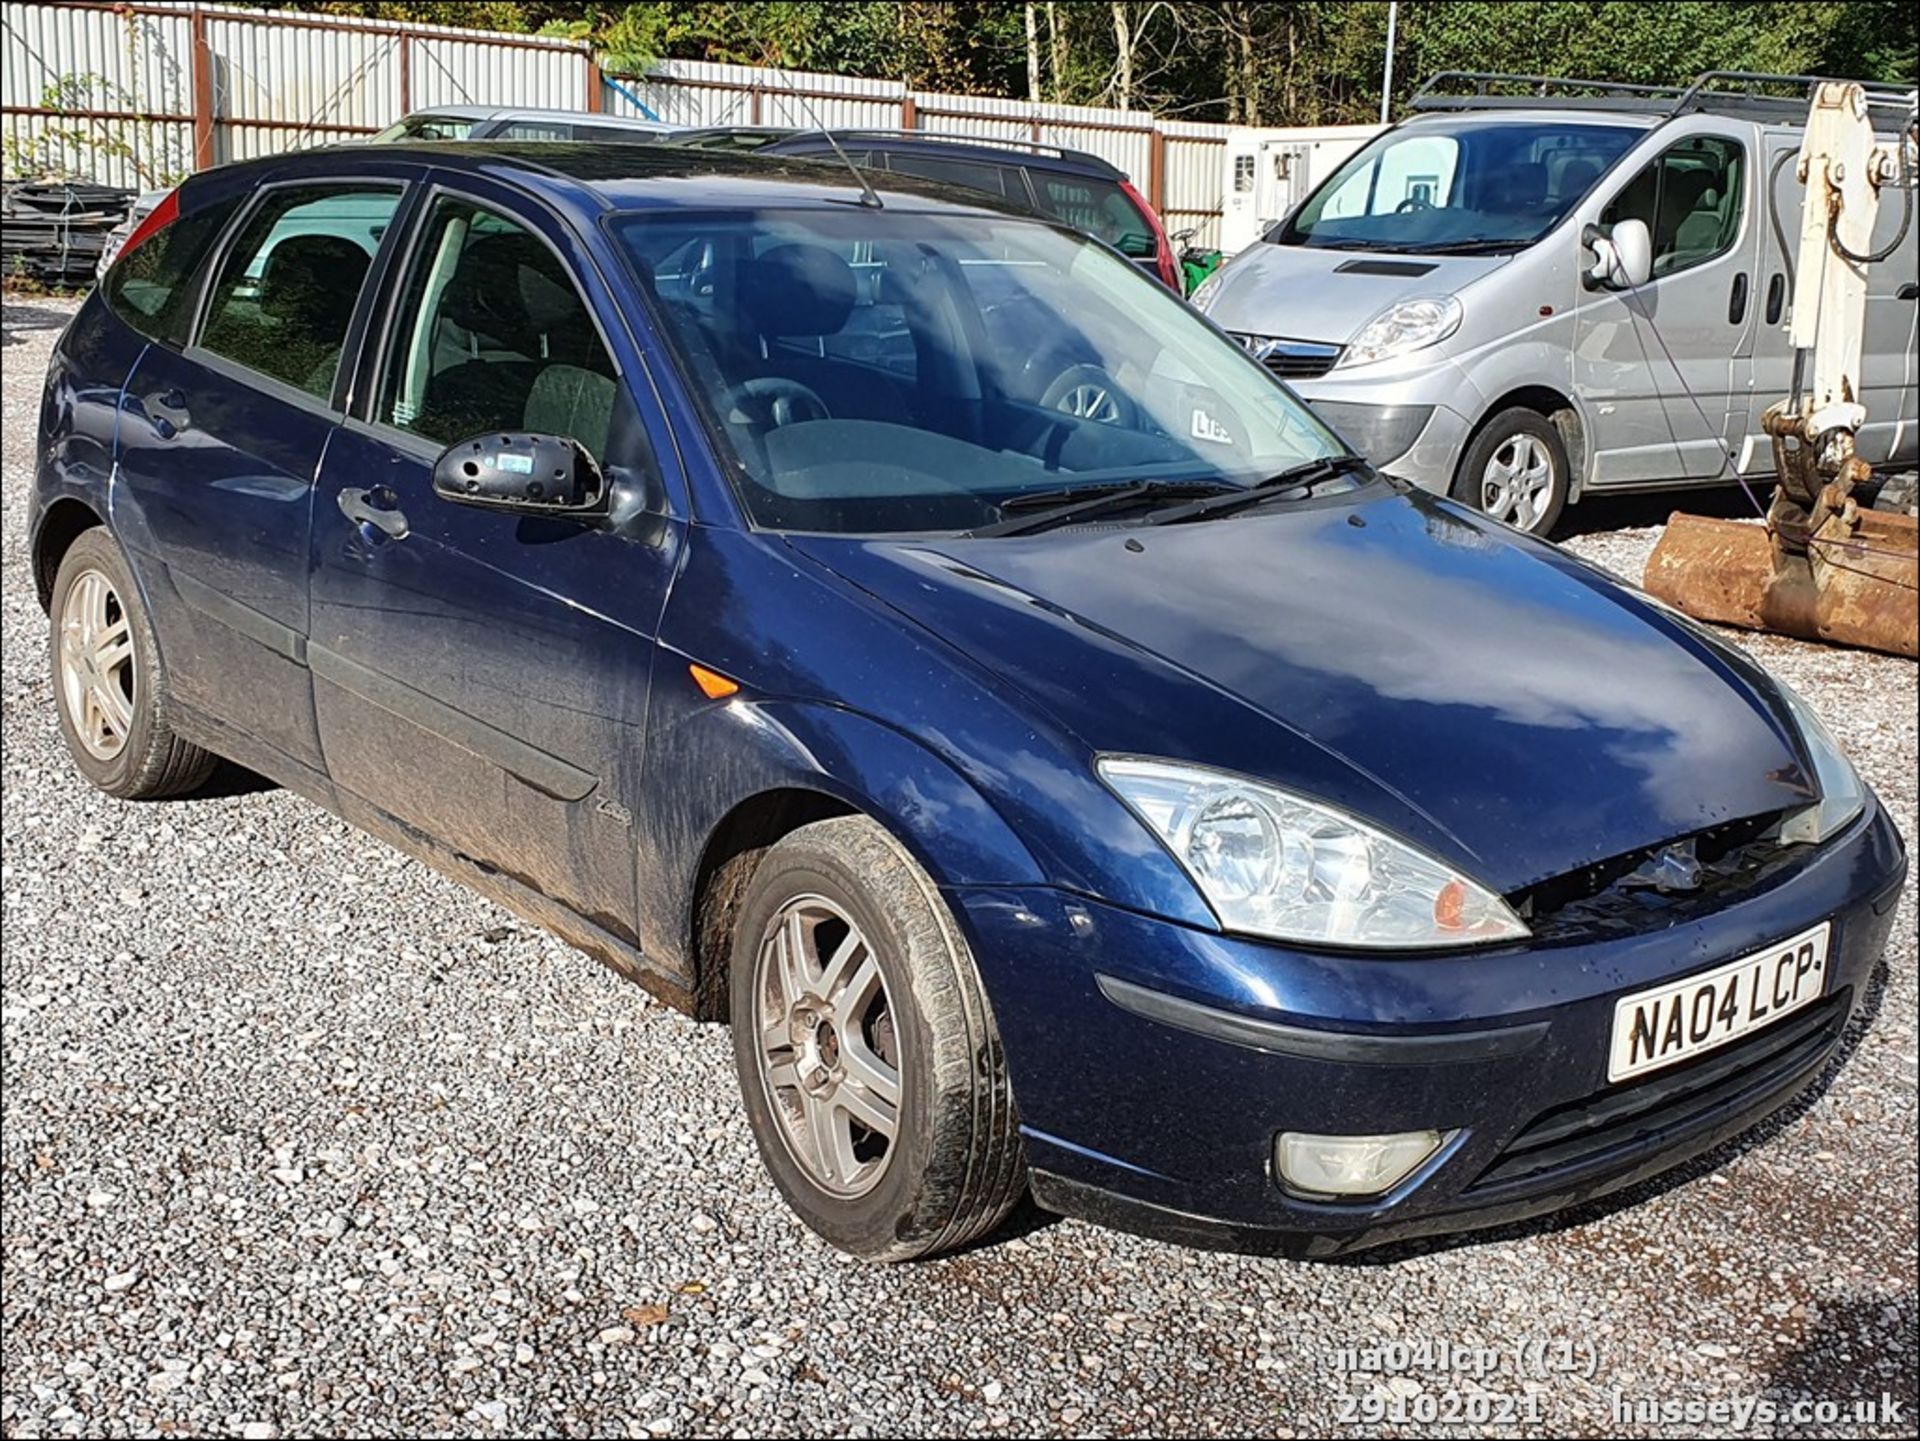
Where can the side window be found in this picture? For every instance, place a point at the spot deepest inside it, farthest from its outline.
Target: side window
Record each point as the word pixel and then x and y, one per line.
pixel 152 289
pixel 1689 198
pixel 494 335
pixel 533 130
pixel 970 174
pixel 1099 207
pixel 286 292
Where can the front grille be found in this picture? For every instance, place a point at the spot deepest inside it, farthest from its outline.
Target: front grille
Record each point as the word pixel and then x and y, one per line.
pixel 1587 1131
pixel 1290 359
pixel 1613 897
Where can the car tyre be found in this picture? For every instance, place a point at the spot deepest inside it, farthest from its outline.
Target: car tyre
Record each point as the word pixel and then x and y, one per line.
pixel 1517 471
pixel 110 685
pixel 855 1000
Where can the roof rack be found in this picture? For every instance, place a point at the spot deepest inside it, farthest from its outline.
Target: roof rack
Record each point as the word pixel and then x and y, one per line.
pixel 988 142
pixel 1722 92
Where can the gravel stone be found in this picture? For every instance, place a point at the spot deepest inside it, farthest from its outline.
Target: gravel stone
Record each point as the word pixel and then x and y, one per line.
pixel 346 1111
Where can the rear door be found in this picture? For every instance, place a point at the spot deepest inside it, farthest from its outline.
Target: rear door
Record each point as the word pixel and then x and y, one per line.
pixel 480 675
pixel 1661 370
pixel 219 443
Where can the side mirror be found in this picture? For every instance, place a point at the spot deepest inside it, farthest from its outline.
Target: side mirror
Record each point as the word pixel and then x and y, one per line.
pixel 1623 257
pixel 547 475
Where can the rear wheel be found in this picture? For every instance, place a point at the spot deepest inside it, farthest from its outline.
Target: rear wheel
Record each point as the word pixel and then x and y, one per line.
pixel 109 683
pixel 868 1058
pixel 1516 471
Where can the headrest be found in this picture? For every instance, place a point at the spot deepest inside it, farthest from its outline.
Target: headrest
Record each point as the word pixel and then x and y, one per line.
pixel 314 279
pixel 798 289
pixel 489 292
pixel 1578 177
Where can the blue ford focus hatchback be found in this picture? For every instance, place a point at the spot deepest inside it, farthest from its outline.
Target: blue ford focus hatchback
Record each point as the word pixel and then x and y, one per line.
pixel 888 621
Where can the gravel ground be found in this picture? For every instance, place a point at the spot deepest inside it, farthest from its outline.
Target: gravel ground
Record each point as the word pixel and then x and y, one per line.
pixel 302 1138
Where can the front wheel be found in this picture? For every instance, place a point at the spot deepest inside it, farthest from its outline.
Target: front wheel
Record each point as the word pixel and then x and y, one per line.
pixel 868 1058
pixel 1516 471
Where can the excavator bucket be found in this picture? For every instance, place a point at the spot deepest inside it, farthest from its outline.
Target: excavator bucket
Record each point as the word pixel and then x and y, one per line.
pixel 1858 582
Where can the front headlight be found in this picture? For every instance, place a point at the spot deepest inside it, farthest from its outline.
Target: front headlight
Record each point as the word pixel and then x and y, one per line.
pixel 1405 325
pixel 1275 864
pixel 1203 296
pixel 1842 796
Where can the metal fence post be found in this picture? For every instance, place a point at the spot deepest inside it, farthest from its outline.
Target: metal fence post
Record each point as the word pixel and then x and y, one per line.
pixel 1157 169
pixel 203 112
pixel 596 91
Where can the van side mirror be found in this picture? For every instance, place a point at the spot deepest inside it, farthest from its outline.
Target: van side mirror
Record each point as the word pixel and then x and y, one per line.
pixel 1623 256
pixel 530 474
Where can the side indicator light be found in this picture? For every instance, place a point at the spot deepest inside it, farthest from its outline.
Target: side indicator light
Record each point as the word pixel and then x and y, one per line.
pixel 713 685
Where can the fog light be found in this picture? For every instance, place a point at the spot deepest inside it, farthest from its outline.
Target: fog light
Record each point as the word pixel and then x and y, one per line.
pixel 1352 1165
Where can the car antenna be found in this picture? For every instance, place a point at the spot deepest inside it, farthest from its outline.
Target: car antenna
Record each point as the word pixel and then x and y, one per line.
pixel 869 197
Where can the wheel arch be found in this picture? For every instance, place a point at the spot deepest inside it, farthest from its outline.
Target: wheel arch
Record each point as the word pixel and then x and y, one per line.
pixel 1557 407
pixel 64 522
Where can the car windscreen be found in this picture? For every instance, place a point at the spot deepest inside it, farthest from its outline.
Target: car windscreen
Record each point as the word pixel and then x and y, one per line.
pixel 429 127
pixel 904 370
pixel 1458 185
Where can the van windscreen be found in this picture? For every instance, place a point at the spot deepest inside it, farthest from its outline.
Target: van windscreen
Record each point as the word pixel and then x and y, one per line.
pixel 1457 186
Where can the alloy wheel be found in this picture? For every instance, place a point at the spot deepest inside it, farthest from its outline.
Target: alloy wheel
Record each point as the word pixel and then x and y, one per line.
pixel 1517 485
pixel 828 1051
pixel 97 670
pixel 1090 402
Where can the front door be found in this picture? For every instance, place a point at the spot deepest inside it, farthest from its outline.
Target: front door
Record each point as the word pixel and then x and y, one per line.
pixel 483 676
pixel 219 445
pixel 1657 367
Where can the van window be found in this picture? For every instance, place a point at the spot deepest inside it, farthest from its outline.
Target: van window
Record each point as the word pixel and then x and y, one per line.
pixel 494 335
pixel 1689 199
pixel 1460 185
pixel 151 290
pixel 287 289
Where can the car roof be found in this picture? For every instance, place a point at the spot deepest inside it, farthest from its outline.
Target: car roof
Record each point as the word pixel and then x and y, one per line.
pixel 1535 115
pixel 594 178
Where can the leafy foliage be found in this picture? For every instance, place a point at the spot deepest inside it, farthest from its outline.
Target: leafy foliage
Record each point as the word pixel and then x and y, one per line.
pixel 1306 62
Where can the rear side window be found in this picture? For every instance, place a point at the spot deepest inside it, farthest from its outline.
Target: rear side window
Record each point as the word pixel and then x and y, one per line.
pixel 494 335
pixel 1099 208
pixel 152 289
pixel 971 174
pixel 290 281
pixel 1690 200
pixel 534 130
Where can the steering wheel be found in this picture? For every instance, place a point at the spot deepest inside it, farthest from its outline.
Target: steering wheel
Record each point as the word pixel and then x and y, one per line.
pixel 772 401
pixel 1413 202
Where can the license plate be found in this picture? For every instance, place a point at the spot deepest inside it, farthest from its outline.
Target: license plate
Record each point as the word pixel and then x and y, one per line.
pixel 1676 1022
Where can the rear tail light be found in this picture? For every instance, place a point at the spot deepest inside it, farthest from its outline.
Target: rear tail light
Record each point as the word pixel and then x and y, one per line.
pixel 1163 260
pixel 158 219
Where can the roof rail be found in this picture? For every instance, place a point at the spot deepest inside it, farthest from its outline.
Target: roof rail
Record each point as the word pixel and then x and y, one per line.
pixel 988 142
pixel 1730 92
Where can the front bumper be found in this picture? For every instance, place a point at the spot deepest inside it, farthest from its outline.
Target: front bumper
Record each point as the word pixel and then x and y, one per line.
pixel 1411 423
pixel 1139 1121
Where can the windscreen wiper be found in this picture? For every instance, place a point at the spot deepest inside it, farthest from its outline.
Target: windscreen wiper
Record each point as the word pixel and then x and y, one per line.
pixel 1467 247
pixel 1077 502
pixel 1296 482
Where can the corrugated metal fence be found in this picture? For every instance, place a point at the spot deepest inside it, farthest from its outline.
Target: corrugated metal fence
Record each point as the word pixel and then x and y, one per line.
pixel 141 94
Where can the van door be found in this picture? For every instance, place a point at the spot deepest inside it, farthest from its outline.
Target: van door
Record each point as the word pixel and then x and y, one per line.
pixel 1887 364
pixel 1656 369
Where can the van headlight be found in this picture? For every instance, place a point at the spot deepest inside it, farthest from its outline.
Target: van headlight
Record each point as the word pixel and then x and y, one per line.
pixel 1204 294
pixel 1271 863
pixel 1403 326
pixel 1842 796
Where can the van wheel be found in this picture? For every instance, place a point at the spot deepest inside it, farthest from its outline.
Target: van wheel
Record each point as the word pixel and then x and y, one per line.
pixel 1516 471
pixel 868 1058
pixel 108 682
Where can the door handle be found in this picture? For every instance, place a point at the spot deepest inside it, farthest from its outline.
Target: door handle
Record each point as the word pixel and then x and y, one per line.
pixel 167 412
pixel 376 508
pixel 1776 297
pixel 1737 301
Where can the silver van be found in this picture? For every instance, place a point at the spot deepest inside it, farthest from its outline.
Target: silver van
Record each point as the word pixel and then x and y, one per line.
pixel 1433 298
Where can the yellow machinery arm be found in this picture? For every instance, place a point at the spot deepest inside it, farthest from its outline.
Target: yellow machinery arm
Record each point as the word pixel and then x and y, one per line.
pixel 1824 567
